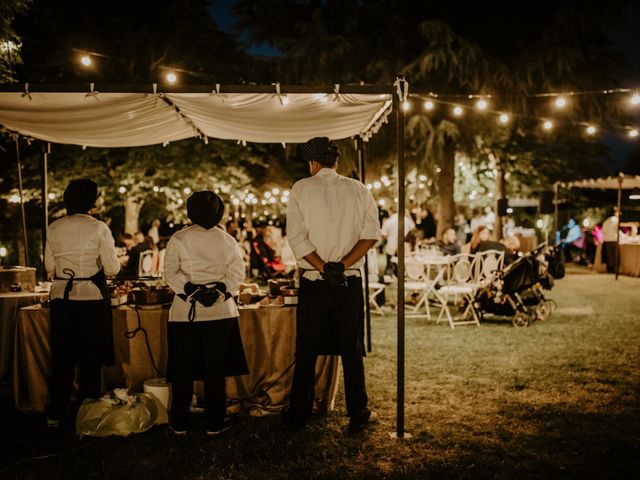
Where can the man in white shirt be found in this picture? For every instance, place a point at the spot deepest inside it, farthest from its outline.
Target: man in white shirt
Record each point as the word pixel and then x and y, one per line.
pixel 610 241
pixel 204 266
pixel 332 221
pixel 389 232
pixel 79 252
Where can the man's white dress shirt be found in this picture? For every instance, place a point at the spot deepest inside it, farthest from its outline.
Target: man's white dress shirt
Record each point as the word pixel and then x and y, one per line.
pixel 390 232
pixel 200 256
pixel 610 229
pixel 329 213
pixel 85 245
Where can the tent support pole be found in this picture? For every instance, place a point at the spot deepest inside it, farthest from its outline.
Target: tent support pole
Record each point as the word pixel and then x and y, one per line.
pixel 556 187
pixel 401 234
pixel 22 214
pixel 618 214
pixel 44 194
pixel 360 151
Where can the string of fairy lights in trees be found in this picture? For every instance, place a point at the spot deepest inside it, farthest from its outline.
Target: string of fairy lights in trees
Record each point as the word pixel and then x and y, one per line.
pixel 458 105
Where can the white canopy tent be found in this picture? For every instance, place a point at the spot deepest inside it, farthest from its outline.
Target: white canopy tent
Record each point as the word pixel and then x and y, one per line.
pixel 135 115
pixel 619 183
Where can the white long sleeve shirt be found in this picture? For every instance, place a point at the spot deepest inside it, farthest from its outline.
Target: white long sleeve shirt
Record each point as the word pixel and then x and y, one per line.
pixel 83 244
pixel 390 232
pixel 329 213
pixel 200 256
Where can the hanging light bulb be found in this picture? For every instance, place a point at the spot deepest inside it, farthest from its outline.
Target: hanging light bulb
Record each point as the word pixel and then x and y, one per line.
pixel 635 99
pixel 561 102
pixel 51 196
pixel 482 104
pixel 406 105
pixel 504 118
pixel 591 130
pixel 85 60
pixel 633 133
pixel 428 105
pixel 172 77
pixel 122 189
pixel 457 111
pixel 547 125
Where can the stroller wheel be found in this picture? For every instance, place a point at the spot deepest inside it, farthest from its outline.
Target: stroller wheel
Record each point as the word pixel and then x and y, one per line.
pixel 520 320
pixel 544 310
pixel 552 304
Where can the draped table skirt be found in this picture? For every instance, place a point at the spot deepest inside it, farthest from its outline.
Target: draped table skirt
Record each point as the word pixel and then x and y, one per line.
pixel 268 335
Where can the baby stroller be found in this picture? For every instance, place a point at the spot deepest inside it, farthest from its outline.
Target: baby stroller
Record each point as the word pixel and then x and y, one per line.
pixel 517 290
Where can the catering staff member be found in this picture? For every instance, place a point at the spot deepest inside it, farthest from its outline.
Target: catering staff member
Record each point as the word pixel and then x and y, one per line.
pixel 204 266
pixel 332 221
pixel 79 252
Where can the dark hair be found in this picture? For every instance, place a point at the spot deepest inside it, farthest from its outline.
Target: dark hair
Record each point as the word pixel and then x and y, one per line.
pixel 205 208
pixel 321 150
pixel 80 196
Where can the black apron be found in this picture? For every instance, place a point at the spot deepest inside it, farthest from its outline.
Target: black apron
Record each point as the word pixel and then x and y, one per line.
pixel 99 280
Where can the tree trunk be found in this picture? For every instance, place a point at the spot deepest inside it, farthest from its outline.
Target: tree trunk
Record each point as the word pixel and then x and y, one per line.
pixel 132 207
pixel 446 179
pixel 500 193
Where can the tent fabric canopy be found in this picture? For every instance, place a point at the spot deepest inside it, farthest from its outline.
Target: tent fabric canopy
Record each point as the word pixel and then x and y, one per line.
pixel 609 183
pixel 99 119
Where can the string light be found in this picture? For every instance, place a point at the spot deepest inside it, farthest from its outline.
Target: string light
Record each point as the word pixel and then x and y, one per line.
pixel 633 133
pixel 275 190
pixel 156 189
pixel 85 60
pixel 504 118
pixel 561 102
pixel 591 130
pixel 428 105
pixel 406 106
pixel 635 99
pixel 482 104
pixel 377 185
pixel 236 201
pixel 122 189
pixel 172 77
pixel 547 125
pixel 51 196
pixel 14 198
pixel 457 111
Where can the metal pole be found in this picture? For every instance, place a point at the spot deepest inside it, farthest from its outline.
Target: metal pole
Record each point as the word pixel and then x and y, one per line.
pixel 44 173
pixel 401 234
pixel 360 150
pixel 618 214
pixel 556 187
pixel 24 221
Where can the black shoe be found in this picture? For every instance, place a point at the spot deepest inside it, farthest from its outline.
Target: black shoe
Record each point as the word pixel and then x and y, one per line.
pixel 294 424
pixel 217 428
pixel 361 421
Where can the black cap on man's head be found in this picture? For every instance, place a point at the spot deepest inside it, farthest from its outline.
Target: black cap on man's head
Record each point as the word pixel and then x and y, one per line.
pixel 205 208
pixel 80 196
pixel 321 150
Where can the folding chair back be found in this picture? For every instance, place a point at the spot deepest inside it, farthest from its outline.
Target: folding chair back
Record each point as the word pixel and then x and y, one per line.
pixel 487 264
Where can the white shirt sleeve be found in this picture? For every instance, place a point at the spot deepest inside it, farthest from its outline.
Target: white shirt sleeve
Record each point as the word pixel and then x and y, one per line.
pixel 296 230
pixel 174 277
pixel 234 276
pixel 49 261
pixel 107 251
pixel 371 223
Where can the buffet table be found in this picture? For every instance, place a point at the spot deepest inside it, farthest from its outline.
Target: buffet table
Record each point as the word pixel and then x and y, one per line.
pixel 629 260
pixel 10 304
pixel 269 341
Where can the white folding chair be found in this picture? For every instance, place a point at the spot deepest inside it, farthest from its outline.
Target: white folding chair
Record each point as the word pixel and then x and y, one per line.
pixel 487 264
pixel 375 289
pixel 419 279
pixel 460 283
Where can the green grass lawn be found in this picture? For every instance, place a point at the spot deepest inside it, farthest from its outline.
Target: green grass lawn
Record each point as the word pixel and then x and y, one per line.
pixel 559 399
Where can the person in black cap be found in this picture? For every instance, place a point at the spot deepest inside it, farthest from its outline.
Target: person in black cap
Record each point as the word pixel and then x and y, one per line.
pixel 204 267
pixel 79 253
pixel 332 221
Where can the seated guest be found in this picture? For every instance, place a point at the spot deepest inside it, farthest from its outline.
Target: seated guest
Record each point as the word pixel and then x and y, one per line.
pixel 204 267
pixel 574 243
pixel 449 243
pixel 480 234
pixel 135 246
pixel 79 253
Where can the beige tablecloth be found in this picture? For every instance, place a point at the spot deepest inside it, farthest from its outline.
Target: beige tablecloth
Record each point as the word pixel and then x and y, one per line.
pixel 10 303
pixel 629 260
pixel 269 342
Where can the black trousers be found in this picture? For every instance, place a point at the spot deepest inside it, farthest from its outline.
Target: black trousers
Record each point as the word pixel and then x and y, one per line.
pixel 197 351
pixel 609 256
pixel 329 321
pixel 77 340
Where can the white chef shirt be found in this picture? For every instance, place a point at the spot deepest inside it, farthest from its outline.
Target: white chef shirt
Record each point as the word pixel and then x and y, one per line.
pixel 610 229
pixel 329 213
pixel 85 245
pixel 390 232
pixel 197 255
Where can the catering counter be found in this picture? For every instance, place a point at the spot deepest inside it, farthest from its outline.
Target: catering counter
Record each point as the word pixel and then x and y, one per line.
pixel 269 341
pixel 629 260
pixel 10 304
